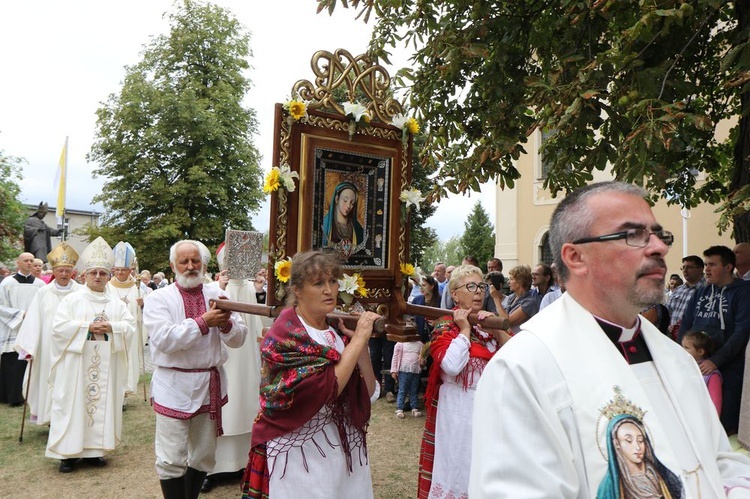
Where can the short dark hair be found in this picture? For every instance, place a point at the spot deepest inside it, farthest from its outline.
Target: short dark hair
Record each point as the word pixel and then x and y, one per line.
pixel 573 217
pixel 694 259
pixel 726 255
pixel 499 262
pixel 472 260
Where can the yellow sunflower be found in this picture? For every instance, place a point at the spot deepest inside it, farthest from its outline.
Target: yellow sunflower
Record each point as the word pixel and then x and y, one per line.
pixel 361 289
pixel 413 126
pixel 272 181
pixel 283 270
pixel 407 269
pixel 297 109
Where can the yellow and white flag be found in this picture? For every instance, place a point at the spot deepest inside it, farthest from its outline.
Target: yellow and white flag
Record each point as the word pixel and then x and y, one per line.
pixel 60 180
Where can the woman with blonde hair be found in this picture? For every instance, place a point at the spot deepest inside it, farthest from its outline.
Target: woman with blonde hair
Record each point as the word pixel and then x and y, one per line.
pixel 460 352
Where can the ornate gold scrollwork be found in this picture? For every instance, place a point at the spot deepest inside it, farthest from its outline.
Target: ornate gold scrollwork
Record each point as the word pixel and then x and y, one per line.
pixel 341 69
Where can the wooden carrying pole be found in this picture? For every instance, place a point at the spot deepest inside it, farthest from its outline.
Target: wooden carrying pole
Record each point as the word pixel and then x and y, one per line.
pixel 350 321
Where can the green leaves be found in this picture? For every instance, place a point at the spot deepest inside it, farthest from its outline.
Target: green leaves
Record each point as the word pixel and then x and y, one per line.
pixel 13 214
pixel 638 86
pixel 175 143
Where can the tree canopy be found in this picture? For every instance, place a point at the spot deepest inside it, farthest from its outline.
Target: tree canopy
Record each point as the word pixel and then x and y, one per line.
pixel 13 214
pixel 176 143
pixel 421 237
pixel 642 87
pixel 478 239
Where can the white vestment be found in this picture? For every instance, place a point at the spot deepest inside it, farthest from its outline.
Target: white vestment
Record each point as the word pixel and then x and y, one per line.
pixel 538 429
pixel 129 292
pixel 34 339
pixel 15 299
pixel 88 377
pixel 243 379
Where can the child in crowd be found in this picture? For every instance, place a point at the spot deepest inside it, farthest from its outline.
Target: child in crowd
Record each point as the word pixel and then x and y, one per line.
pixel 700 346
pixel 406 367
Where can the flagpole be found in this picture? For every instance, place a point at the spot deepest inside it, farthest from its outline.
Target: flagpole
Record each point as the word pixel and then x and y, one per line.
pixel 63 188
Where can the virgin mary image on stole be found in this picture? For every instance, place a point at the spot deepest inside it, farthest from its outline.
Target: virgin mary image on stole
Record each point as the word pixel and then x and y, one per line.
pixel 341 229
pixel 633 470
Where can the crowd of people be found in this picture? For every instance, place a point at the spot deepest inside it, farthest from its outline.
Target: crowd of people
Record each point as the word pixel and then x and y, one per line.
pixel 563 380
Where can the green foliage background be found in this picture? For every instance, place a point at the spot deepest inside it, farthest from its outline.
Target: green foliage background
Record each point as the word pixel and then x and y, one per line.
pixel 175 143
pixel 642 87
pixel 12 211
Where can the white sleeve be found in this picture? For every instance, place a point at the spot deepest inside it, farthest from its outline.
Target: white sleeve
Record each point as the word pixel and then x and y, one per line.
pixel 456 356
pixel 165 335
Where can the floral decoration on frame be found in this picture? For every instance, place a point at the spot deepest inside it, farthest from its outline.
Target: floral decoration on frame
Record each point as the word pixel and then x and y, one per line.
pixel 283 270
pixel 358 114
pixel 407 124
pixel 351 287
pixel 411 197
pixel 282 176
pixel 296 109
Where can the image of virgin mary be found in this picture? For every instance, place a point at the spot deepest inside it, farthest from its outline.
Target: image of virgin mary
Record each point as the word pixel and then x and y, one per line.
pixel 633 470
pixel 341 229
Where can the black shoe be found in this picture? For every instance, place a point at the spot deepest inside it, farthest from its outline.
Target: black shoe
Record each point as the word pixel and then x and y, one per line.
pixel 67 465
pixel 96 462
pixel 17 404
pixel 208 484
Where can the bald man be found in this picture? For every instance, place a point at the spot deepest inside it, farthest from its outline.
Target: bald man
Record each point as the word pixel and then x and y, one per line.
pixel 16 294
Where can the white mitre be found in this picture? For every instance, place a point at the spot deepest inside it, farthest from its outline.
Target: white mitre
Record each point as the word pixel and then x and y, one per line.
pixel 97 255
pixel 124 255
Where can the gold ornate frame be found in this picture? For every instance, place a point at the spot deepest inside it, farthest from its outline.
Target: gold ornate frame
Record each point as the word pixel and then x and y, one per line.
pixel 326 123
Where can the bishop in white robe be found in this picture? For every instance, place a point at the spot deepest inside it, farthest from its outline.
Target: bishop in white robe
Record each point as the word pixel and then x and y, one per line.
pixel 91 329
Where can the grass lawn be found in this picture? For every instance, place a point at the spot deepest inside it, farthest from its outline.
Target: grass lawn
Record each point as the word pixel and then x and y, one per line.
pixel 25 472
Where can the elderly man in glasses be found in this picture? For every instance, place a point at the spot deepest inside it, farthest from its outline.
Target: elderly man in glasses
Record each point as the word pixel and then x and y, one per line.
pixel 589 399
pixel 91 332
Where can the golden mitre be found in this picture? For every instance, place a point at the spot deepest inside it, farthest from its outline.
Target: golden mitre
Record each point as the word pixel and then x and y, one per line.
pixel 63 255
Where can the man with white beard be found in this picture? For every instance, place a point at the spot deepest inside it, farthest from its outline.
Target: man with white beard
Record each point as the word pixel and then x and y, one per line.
pixel 188 341
pixel 35 336
pixel 124 286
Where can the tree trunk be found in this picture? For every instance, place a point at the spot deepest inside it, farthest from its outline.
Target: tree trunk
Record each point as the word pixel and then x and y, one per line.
pixel 742 148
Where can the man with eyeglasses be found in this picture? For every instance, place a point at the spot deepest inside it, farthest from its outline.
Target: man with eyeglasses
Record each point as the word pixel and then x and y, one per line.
pixel 722 310
pixel 90 334
pixel 692 270
pixel 590 399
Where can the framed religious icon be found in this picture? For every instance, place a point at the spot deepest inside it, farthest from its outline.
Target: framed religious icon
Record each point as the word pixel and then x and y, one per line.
pixel 351 206
pixel 243 253
pixel 341 161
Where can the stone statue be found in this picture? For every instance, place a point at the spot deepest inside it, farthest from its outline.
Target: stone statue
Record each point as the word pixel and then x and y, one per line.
pixel 37 234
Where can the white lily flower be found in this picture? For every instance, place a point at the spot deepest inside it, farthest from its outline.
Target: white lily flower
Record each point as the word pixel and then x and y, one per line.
pixel 411 197
pixel 356 110
pixel 399 121
pixel 348 284
pixel 287 176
